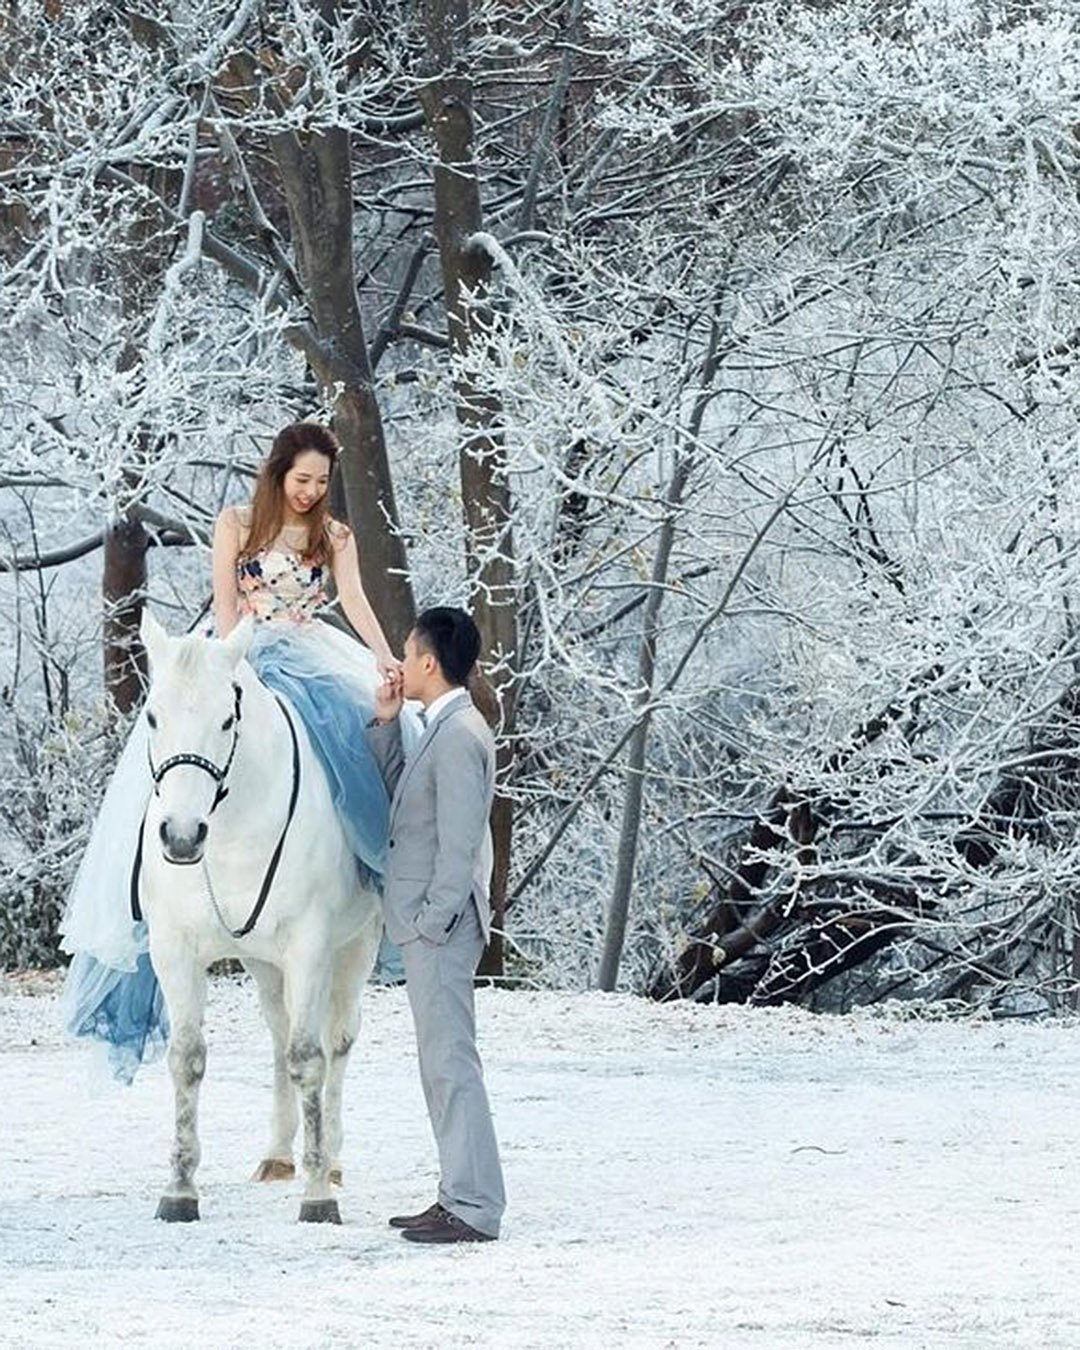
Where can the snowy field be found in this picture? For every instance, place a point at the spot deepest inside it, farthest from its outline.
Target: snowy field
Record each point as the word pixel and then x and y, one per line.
pixel 679 1176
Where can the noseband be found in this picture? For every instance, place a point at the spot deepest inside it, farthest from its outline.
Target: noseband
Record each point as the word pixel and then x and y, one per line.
pixel 216 772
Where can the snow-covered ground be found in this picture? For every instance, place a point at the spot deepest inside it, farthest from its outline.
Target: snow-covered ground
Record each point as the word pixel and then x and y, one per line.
pixel 678 1176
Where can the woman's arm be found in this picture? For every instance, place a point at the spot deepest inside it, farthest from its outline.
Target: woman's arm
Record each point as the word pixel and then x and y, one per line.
pixel 226 551
pixel 345 564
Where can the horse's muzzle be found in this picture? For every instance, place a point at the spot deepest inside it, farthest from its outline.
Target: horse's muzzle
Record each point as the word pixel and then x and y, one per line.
pixel 182 847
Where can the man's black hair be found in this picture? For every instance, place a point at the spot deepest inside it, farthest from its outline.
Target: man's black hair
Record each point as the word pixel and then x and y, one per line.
pixel 452 638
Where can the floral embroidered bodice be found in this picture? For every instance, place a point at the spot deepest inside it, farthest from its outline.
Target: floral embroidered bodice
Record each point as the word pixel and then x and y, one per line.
pixel 278 585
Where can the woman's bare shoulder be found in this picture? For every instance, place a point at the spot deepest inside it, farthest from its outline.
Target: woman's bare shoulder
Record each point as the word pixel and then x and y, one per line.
pixel 232 528
pixel 238 517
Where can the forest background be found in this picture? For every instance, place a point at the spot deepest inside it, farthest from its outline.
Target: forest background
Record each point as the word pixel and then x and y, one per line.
pixel 722 358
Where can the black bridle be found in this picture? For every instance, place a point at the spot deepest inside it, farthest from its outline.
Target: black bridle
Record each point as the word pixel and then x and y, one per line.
pixel 216 772
pixel 219 774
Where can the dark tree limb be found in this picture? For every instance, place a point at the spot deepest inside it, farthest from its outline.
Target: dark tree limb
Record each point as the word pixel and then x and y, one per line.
pixel 35 562
pixel 446 97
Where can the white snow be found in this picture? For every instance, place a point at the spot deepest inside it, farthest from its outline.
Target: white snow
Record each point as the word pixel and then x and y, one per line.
pixel 678 1176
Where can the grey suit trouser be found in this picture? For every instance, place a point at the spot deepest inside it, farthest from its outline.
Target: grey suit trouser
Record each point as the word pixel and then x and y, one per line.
pixel 439 981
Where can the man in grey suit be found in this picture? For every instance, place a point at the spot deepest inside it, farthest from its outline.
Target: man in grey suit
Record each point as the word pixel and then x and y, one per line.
pixel 435 905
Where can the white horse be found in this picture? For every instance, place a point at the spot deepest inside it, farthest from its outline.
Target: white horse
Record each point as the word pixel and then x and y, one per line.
pixel 242 855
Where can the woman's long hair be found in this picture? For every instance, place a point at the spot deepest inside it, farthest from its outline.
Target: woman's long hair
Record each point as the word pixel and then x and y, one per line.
pixel 268 502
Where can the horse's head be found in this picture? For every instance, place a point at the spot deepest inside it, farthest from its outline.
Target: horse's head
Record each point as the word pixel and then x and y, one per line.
pixel 193 715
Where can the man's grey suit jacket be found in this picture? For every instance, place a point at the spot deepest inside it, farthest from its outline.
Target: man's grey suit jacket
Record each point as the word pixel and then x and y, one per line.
pixel 439 855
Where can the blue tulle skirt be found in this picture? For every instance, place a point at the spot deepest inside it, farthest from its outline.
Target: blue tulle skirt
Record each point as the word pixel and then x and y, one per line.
pixel 111 993
pixel 335 710
pixel 124 1009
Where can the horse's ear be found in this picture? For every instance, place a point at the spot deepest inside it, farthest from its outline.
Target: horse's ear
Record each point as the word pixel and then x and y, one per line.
pixel 154 637
pixel 239 640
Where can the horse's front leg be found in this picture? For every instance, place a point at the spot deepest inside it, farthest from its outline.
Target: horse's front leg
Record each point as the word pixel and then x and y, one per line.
pixel 307 983
pixel 277 1162
pixel 183 983
pixel 352 966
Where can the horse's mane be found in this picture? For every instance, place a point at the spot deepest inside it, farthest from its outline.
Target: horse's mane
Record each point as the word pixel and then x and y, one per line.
pixel 189 661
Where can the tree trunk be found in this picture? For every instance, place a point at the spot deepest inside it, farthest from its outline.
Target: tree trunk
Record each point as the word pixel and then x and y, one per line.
pixel 123 593
pixel 316 178
pixel 485 491
pixel 124 571
pixel 615 934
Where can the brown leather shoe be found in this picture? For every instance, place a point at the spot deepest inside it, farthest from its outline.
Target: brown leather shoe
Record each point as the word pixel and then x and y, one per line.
pixel 430 1215
pixel 446 1228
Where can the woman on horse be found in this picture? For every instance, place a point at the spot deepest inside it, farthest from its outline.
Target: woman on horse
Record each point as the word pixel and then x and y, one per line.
pixel 273 560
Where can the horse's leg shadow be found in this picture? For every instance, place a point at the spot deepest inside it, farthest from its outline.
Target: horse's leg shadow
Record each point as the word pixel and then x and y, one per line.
pixel 277 1163
pixel 183 984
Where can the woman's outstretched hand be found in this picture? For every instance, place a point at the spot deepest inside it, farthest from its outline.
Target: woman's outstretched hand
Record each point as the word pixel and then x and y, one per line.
pixel 387 664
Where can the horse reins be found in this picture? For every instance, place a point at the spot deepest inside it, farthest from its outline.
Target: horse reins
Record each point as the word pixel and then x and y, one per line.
pixel 219 774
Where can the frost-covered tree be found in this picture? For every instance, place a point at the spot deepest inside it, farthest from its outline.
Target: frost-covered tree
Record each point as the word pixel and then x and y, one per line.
pixel 871 558
pixel 770 371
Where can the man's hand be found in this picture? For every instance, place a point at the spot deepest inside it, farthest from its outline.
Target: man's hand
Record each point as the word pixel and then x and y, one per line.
pixel 389 696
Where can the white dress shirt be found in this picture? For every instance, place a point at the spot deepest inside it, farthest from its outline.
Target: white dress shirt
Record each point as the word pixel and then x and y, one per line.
pixel 444 700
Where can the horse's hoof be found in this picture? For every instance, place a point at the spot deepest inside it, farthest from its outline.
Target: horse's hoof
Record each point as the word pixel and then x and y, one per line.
pixel 178 1209
pixel 319 1211
pixel 336 1178
pixel 274 1169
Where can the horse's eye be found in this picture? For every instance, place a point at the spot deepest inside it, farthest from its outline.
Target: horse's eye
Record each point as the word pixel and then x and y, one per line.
pixel 151 721
pixel 225 726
